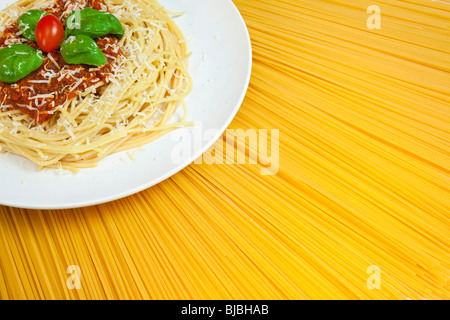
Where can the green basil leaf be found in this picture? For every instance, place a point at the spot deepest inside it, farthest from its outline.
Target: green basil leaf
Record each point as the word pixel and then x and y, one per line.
pixel 92 23
pixel 28 22
pixel 81 49
pixel 17 61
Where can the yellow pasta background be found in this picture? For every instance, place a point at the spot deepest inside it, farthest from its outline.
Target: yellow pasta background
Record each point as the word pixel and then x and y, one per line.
pixel 363 178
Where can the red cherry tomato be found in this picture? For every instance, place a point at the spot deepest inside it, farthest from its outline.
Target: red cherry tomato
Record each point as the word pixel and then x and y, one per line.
pixel 49 33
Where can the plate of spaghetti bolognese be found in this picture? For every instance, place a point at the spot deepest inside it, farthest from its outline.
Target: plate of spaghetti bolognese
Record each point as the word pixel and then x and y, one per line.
pixel 101 99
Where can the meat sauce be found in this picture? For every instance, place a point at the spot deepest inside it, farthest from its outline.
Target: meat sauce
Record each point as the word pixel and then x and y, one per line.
pixel 44 90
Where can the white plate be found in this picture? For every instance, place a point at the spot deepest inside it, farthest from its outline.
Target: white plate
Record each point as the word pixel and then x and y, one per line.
pixel 220 67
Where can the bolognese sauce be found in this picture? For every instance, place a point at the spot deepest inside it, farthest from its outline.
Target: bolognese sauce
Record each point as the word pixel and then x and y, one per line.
pixel 53 84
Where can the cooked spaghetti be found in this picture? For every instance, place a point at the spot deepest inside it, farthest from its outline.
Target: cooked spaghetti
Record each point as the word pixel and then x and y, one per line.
pixel 71 116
